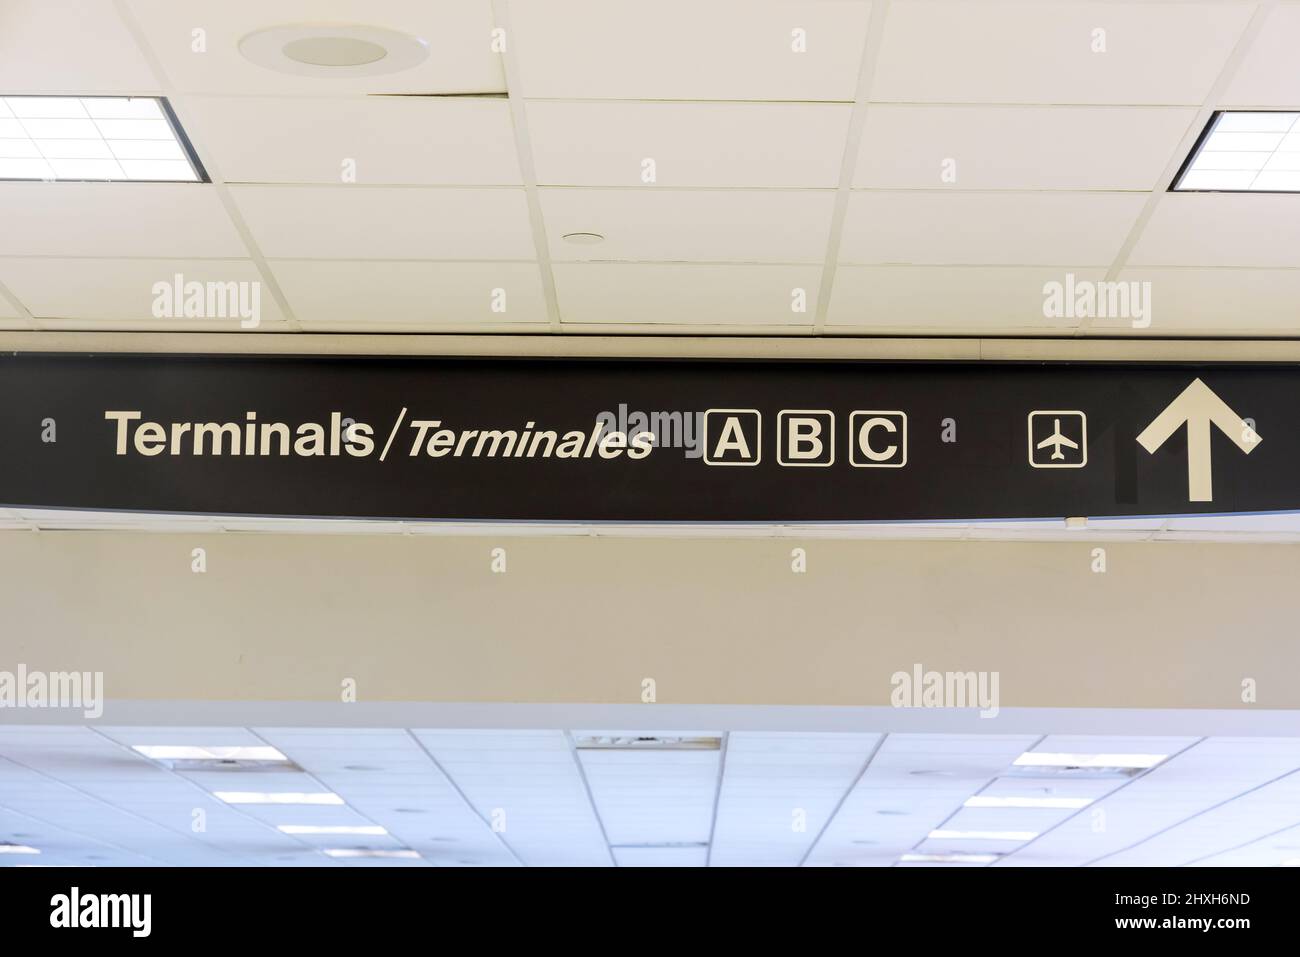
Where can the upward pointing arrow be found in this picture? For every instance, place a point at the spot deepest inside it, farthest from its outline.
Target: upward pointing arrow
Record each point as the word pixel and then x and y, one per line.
pixel 1198 407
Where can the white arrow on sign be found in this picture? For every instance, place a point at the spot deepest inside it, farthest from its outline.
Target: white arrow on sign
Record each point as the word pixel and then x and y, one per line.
pixel 1198 407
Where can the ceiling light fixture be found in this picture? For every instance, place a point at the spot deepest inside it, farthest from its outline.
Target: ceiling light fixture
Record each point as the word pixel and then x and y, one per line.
pixel 949 858
pixel 373 830
pixel 184 752
pixel 278 797
pixel 944 835
pixel 94 139
pixel 583 239
pixel 6 848
pixel 1243 151
pixel 334 51
pixel 633 742
pixel 1056 759
pixel 981 800
pixel 367 852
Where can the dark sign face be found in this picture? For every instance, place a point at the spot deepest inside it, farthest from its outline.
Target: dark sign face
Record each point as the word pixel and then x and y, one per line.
pixel 644 440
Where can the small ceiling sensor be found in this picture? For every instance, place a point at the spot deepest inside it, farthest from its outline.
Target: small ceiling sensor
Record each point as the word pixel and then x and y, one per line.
pixel 583 239
pixel 331 50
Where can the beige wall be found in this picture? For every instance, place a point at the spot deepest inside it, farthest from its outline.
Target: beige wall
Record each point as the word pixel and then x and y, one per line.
pixel 423 618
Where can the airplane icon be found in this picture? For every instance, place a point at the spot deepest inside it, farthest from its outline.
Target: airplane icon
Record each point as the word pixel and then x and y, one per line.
pixel 1056 440
pixel 1067 442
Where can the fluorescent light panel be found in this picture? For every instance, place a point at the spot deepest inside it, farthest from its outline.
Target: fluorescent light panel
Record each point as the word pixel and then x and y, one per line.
pixel 365 852
pixel 949 858
pixel 981 800
pixel 1056 759
pixel 94 138
pixel 1246 152
pixel 17 849
pixel 183 752
pixel 369 829
pixel 946 835
pixel 278 797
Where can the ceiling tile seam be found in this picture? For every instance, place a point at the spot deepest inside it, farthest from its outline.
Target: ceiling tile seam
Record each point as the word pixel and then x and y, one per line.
pixel 980 790
pixel 194 785
pixel 97 800
pixel 1226 74
pixel 1105 797
pixel 179 105
pixel 19 307
pixel 1177 824
pixel 464 798
pixel 319 783
pixel 1244 844
pixel 591 798
pixel 849 161
pixel 527 164
pixel 717 797
pixel 839 805
pixel 72 833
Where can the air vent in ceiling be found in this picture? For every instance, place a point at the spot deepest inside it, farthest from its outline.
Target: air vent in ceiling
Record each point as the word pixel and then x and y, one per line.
pixel 230 764
pixel 1072 772
pixel 641 742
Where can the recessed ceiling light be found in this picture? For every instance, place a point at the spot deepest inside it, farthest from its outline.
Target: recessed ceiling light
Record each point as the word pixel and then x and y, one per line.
pixel 17 849
pixel 333 50
pixel 367 852
pixel 645 742
pixel 949 858
pixel 278 797
pixel 184 752
pixel 370 829
pixel 1056 759
pixel 1244 151
pixel 1293 862
pixel 981 800
pixel 946 835
pixel 94 138
pixel 583 239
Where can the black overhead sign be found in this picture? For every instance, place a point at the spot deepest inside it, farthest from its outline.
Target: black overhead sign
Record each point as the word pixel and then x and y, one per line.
pixel 645 440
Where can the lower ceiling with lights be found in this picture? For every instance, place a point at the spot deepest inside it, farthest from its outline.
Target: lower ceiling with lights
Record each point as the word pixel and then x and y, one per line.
pixel 426 797
pixel 850 167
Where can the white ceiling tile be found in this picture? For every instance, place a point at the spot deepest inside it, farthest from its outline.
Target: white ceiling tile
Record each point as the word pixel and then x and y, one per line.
pixel 661 856
pixel 659 225
pixel 959 51
pixel 1017 147
pixel 361 222
pixel 996 228
pixel 949 300
pixel 1217 302
pixel 690 144
pixel 1221 229
pixel 116 220
pixel 101 290
pixel 653 797
pixel 458 35
pixel 779 791
pixel 1267 77
pixel 685 294
pixel 679 50
pixel 41 51
pixel 400 295
pixel 375 140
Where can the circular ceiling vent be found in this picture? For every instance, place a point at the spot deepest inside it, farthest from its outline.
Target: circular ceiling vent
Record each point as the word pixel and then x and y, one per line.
pixel 333 50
